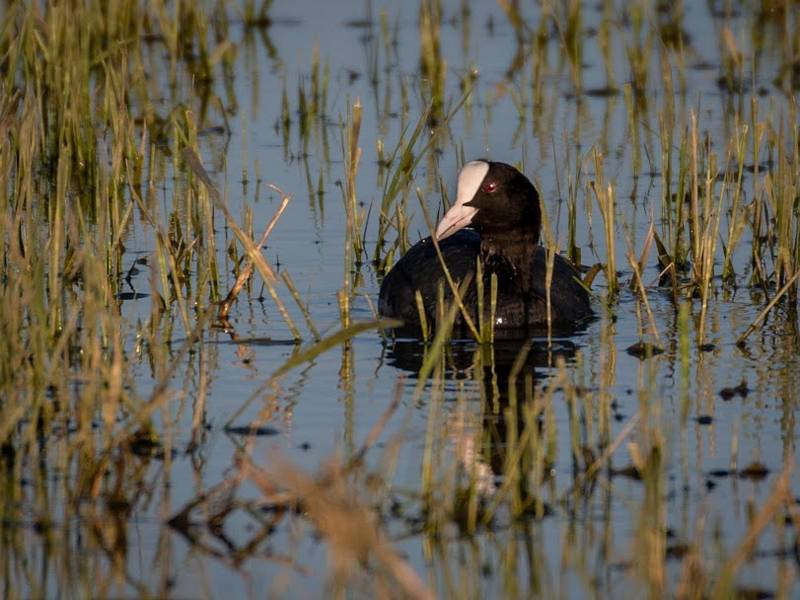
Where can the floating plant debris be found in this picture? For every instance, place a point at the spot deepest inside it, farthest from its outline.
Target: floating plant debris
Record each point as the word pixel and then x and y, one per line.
pixel 644 350
pixel 755 471
pixel 728 393
pixel 257 431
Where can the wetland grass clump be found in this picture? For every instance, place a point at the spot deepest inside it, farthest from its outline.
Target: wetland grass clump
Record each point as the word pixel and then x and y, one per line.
pixel 94 167
pixel 84 155
pixel 402 164
pixel 84 149
pixel 606 201
pixel 433 67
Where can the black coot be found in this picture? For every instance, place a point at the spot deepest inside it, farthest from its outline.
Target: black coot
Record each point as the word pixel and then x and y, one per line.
pixel 501 208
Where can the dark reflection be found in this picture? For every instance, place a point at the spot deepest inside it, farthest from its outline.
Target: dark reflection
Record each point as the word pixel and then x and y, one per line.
pixel 505 374
pixel 408 354
pixel 505 338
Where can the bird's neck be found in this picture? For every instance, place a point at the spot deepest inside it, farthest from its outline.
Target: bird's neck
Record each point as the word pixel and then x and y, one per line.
pixel 512 251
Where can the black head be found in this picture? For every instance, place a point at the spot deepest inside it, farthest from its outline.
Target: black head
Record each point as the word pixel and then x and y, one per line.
pixel 493 198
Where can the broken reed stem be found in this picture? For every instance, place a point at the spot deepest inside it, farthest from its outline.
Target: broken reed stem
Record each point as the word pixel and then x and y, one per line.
pixel 637 275
pixel 548 282
pixel 736 222
pixel 593 468
pixel 348 526
pixel 694 200
pixel 253 251
pixel 423 319
pixel 352 158
pixel 606 203
pixel 740 340
pixel 168 270
pixel 708 241
pixel 287 279
pixel 247 271
pixel 551 249
pixel 781 495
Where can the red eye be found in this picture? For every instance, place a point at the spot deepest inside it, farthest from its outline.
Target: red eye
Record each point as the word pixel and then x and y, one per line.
pixel 490 187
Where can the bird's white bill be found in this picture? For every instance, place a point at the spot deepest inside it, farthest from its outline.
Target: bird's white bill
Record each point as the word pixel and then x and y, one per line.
pixel 459 216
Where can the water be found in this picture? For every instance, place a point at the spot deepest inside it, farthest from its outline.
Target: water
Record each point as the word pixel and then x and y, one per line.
pixel 326 407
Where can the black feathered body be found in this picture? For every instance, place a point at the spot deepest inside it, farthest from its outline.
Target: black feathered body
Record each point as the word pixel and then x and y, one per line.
pixel 521 295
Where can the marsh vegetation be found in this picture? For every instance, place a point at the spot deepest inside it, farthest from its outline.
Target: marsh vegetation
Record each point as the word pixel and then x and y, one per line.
pixel 198 398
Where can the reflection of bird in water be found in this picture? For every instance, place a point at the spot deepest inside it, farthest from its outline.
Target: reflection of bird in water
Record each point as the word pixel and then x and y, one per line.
pixel 408 354
pixel 493 370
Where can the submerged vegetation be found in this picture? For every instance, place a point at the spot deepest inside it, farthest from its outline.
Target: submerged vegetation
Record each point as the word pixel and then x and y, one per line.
pixel 164 314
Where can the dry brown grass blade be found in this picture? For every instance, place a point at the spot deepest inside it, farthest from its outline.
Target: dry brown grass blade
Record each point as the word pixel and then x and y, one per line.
pixel 637 283
pixel 767 308
pixel 455 289
pixel 351 527
pixel 380 424
pixel 9 112
pixel 593 468
pixel 247 271
pixel 588 278
pixel 253 251
pixel 781 495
